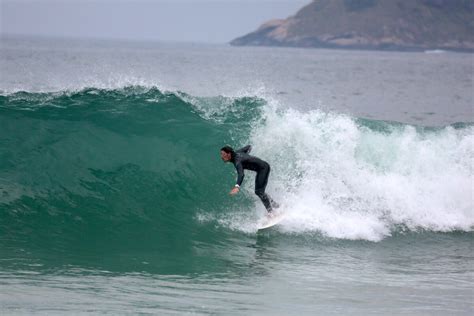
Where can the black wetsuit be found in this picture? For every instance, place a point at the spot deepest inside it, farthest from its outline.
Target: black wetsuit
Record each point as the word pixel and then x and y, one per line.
pixel 242 160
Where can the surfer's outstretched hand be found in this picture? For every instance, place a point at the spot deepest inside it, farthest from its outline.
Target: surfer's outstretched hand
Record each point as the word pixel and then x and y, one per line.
pixel 234 191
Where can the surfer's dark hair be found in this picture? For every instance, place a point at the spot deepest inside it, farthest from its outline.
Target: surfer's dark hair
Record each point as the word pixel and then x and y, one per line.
pixel 227 149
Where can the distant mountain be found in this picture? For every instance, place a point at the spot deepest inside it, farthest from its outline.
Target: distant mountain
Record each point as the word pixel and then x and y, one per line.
pixel 372 24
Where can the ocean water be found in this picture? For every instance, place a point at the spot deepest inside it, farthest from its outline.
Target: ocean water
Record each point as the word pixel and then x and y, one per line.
pixel 114 200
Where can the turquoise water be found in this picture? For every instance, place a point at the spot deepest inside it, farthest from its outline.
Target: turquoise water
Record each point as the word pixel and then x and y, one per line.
pixel 115 200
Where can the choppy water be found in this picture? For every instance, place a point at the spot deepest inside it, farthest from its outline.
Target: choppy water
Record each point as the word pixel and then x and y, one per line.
pixel 113 197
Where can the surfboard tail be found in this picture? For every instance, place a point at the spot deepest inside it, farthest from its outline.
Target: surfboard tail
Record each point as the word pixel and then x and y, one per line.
pixel 271 220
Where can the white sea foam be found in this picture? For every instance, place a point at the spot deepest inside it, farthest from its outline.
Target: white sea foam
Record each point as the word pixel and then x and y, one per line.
pixel 344 180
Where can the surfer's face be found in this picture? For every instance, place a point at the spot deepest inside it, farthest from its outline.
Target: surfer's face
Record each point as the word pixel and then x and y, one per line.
pixel 225 156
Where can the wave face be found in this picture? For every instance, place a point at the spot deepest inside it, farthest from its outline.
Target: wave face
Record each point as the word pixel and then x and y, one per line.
pixel 133 166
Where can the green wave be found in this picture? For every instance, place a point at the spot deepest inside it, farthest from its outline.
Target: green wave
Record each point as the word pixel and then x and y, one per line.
pixel 139 168
pixel 96 166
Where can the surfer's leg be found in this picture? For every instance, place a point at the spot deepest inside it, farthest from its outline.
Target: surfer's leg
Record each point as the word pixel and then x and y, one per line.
pixel 265 200
pixel 261 181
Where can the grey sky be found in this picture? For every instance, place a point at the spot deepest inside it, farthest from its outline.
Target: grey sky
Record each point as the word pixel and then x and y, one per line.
pixel 179 20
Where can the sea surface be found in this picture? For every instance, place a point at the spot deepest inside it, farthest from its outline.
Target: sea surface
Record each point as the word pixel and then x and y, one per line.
pixel 114 200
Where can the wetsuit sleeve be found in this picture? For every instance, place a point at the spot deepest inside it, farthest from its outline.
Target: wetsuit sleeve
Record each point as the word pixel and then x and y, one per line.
pixel 245 149
pixel 240 173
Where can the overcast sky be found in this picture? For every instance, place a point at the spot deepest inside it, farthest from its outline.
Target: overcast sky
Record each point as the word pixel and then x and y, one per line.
pixel 213 21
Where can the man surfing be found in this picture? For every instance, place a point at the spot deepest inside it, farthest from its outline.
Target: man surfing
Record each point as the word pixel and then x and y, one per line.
pixel 242 160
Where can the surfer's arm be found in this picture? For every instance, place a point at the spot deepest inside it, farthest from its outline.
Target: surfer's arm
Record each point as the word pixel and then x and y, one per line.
pixel 245 149
pixel 240 178
pixel 240 174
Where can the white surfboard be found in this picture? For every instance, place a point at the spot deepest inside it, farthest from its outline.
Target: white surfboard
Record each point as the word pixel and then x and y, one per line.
pixel 269 221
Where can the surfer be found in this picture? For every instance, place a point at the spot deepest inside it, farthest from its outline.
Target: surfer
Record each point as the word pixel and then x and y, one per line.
pixel 242 160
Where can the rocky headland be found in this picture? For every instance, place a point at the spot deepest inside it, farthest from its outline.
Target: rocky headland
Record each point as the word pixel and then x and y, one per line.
pixel 413 25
